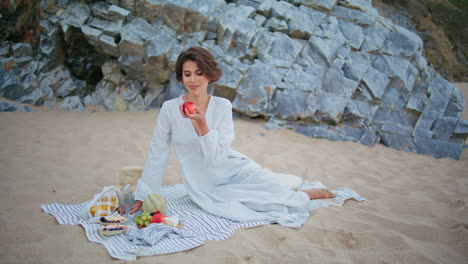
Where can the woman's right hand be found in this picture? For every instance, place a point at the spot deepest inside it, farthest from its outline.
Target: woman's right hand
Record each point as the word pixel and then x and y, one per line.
pixel 135 207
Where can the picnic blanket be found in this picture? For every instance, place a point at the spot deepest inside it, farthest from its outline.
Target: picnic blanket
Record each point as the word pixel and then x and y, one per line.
pixel 197 225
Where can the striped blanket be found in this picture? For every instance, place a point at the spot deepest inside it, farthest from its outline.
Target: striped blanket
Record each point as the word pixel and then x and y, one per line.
pixel 197 225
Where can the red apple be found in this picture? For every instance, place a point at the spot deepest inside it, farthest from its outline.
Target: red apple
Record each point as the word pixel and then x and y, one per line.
pixel 157 218
pixel 190 107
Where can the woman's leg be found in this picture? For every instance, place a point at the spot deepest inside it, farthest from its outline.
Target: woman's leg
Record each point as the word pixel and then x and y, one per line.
pixel 319 193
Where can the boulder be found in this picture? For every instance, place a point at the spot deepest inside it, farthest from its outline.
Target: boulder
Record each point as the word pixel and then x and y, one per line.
pixel 73 103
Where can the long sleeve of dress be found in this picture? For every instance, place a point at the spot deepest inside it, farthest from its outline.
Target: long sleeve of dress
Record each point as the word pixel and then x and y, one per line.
pixel 158 156
pixel 215 145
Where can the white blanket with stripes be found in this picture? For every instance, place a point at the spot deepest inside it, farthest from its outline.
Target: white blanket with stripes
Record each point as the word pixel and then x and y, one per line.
pixel 197 225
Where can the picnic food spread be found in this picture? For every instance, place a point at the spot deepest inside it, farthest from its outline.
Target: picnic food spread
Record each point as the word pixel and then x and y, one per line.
pixel 111 230
pixel 104 206
pixel 145 219
pixel 112 220
pixel 153 203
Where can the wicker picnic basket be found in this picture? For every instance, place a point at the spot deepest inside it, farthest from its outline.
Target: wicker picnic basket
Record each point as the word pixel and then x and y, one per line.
pixel 130 175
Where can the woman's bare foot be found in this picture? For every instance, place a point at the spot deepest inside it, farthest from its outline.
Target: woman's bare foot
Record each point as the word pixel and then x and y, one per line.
pixel 319 193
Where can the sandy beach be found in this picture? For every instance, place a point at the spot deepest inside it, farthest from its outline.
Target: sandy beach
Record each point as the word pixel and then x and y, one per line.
pixel 416 211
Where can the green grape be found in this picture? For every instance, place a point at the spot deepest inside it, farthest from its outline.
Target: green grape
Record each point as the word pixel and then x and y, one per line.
pixel 140 222
pixel 146 223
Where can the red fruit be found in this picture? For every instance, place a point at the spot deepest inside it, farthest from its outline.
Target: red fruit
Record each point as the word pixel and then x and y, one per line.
pixel 157 218
pixel 189 106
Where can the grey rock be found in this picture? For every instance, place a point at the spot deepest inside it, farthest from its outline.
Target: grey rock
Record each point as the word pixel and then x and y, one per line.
pixel 393 97
pixel 355 65
pixel 353 33
pixel 73 103
pixel 154 97
pixel 297 79
pixel 266 7
pixel 456 104
pixel 394 141
pixel 349 133
pixel 281 9
pixel 283 51
pixel 92 34
pixel 229 83
pixel 434 148
pixel 462 127
pixel 402 43
pixel 440 92
pixel 180 15
pixel 400 118
pixel 317 131
pixel 75 15
pixel 11 87
pixel 112 28
pixel 68 87
pixel 274 24
pixel 327 48
pixel 444 128
pixel 133 66
pixel 259 20
pixel 175 88
pixel 5 48
pixel 375 36
pixel 130 90
pixel 37 97
pixel 103 90
pixel 231 18
pixel 376 82
pixel 370 136
pixel 325 6
pixel 334 81
pixel 416 103
pixel 354 16
pixel 251 101
pixel 89 100
pixel 362 5
pixel 156 56
pixel 291 104
pixel 303 21
pixel 327 107
pixel 23 61
pixel 253 3
pixel 116 12
pixel 274 123
pixel 396 129
pixel 112 72
pixel 8 107
pixel 22 50
pixel 392 67
pixel 424 124
pixel 100 10
pixel 360 110
pixel 138 105
pixel 140 29
pixel 108 45
pixel 48 28
pixel 257 89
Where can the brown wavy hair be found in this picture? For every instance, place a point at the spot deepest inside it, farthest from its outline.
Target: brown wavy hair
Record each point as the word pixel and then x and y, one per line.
pixel 204 60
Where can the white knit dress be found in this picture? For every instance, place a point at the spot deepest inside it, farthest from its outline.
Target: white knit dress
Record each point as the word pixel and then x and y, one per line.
pixel 217 178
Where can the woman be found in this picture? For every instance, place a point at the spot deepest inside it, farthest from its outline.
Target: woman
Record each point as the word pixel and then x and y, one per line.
pixel 220 180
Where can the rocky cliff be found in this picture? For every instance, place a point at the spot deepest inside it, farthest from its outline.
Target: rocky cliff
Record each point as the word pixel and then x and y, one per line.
pixel 335 69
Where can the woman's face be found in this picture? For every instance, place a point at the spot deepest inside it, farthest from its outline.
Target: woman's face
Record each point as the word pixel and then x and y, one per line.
pixel 193 78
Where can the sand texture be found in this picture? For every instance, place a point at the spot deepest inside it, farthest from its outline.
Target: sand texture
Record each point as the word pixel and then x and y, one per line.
pixel 416 210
